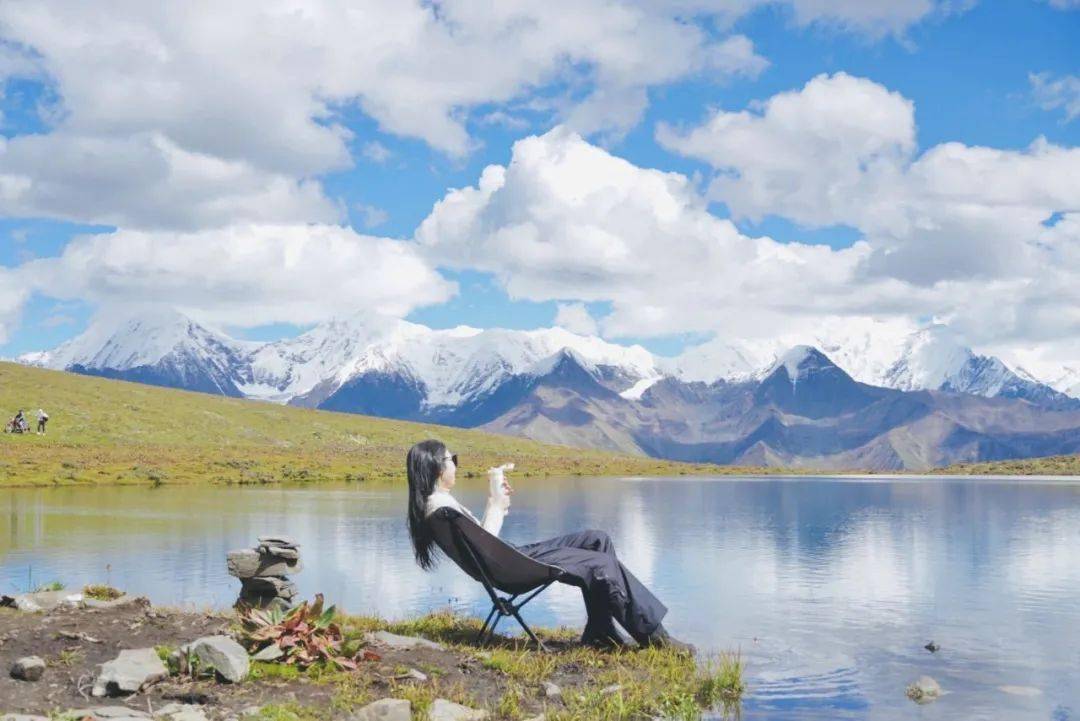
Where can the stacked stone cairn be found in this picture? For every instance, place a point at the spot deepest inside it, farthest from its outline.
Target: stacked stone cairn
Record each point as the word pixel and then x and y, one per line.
pixel 263 572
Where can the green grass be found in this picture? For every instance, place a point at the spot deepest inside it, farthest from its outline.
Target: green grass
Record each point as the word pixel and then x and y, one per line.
pixel 652 682
pixel 1046 466
pixel 114 432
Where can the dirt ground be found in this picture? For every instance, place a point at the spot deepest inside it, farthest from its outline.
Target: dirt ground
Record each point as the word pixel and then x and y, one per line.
pixel 75 641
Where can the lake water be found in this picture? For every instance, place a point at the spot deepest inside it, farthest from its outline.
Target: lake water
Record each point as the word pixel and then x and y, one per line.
pixel 828 587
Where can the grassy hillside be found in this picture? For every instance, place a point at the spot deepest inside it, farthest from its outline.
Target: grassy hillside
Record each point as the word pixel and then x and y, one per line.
pixel 1048 466
pixel 105 431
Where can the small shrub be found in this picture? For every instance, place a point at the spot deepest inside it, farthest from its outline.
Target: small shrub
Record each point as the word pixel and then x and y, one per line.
pixel 102 592
pixel 305 633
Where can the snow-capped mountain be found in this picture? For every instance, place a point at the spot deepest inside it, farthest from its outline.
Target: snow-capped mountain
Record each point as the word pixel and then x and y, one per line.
pixel 890 354
pixel 160 347
pixel 448 367
pixel 726 402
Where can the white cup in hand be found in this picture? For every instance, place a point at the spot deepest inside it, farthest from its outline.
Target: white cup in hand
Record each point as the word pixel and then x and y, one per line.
pixel 499 489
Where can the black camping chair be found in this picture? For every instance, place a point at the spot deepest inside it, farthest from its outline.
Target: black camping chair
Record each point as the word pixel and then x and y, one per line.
pixel 494 563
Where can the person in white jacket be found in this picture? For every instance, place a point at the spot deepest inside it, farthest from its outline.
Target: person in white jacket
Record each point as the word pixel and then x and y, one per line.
pixel 588 560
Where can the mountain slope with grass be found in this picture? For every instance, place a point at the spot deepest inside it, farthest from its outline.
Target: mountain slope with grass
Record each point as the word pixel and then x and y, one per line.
pixel 110 431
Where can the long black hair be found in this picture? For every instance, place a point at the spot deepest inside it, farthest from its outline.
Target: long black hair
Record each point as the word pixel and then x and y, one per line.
pixel 424 465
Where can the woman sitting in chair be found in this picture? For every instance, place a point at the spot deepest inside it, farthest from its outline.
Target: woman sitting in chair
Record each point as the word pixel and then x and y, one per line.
pixel 588 558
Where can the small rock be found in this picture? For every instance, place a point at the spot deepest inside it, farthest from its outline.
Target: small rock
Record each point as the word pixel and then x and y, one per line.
pixel 923 690
pixel 253 710
pixel 443 710
pixel 248 563
pixel 416 675
pixel 120 602
pixel 552 690
pixel 267 586
pixel 271 653
pixel 28 668
pixel 220 653
pixel 42 600
pixel 129 672
pixel 282 552
pixel 113 713
pixel 932 647
pixel 387 709
pixel 394 641
pixel 287 541
pixel 181 712
pixel 613 688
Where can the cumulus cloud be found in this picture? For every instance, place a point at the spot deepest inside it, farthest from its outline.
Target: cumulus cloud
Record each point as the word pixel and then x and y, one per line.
pixel 575 317
pixel 244 275
pixel 1053 93
pixel 146 181
pixel 841 150
pixel 171 104
pixel 566 220
pixel 569 220
pixel 13 294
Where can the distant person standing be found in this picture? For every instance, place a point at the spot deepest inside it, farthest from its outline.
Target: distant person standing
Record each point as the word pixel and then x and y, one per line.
pixel 42 419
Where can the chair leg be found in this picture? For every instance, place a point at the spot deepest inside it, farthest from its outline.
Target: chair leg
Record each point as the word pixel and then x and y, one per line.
pixel 529 631
pixel 480 636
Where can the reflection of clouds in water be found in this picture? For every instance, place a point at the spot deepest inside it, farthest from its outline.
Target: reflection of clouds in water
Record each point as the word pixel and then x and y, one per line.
pixel 1043 556
pixel 634 536
pixel 839 583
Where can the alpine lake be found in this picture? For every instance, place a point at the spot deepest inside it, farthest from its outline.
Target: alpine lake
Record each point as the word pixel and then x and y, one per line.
pixel 828 587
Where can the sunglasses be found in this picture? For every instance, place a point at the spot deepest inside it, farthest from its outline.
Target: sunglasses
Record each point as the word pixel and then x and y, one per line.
pixel 452 457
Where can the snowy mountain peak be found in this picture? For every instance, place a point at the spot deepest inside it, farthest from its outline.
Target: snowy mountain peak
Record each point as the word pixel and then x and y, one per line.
pixel 125 341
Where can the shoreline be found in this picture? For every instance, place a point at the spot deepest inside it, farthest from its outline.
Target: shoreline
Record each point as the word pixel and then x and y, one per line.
pixel 419 660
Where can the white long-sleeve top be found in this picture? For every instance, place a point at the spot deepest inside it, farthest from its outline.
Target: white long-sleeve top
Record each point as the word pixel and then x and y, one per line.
pixel 494 512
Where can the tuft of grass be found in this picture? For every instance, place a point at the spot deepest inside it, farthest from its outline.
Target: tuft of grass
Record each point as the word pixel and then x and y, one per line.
pixel 52 586
pixel 261 670
pixel 289 712
pixel 102 592
pixel 722 681
pixel 68 657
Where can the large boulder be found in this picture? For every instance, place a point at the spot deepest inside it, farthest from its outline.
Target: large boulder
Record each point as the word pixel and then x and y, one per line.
pixel 218 654
pixel 129 672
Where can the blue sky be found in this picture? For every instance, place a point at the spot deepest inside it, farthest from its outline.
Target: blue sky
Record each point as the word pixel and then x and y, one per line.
pixel 966 68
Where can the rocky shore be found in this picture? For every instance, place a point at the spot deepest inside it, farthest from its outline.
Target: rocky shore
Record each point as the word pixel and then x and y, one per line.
pixel 72 658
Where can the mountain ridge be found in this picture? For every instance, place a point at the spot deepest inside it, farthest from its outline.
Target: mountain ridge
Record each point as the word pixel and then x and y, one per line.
pixel 554 385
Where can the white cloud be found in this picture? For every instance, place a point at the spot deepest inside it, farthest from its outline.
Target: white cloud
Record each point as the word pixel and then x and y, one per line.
pixel 575 317
pixel 372 216
pixel 146 181
pixel 160 106
pixel 244 275
pixel 376 152
pixel 1052 93
pixel 811 150
pixel 13 294
pixel 566 220
pixel 841 151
